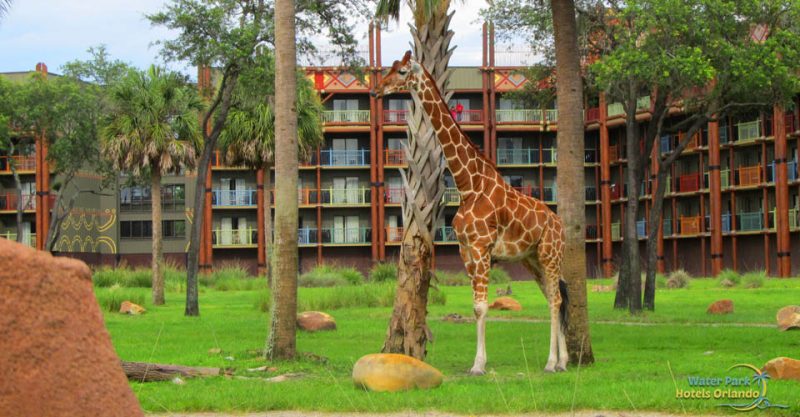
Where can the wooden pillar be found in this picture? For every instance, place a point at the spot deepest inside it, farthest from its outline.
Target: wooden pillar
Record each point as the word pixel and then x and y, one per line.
pixel 654 161
pixel 781 179
pixel 490 113
pixel 605 191
pixel 207 224
pixel 373 163
pixel 319 209
pixel 378 75
pixel 715 197
pixel 42 179
pixel 262 259
pixel 486 89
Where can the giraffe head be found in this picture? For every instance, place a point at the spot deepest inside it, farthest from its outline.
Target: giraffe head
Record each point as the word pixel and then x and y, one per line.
pixel 404 75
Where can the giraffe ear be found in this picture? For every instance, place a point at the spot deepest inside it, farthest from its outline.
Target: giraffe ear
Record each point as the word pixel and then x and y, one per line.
pixel 416 68
pixel 406 57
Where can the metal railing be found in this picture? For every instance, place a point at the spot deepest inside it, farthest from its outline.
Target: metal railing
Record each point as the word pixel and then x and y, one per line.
pixel 615 231
pixel 510 156
pixel 792 219
pixel 392 117
pixel 791 171
pixel 519 115
pixel 748 131
pixel 641 228
pixel 234 237
pixel 444 234
pixel 689 182
pixel 393 195
pixel 307 236
pixel 724 177
pixel 750 175
pixel 305 196
pixel 615 109
pixel 145 204
pixel 394 234
pixel 749 221
pixel 394 157
pixel 9 201
pixel 551 115
pixel 469 116
pixel 21 163
pixel 29 239
pixel 451 196
pixel 346 235
pixel 234 198
pixel 345 116
pixel 345 196
pixel 666 226
pixel 690 225
pixel 344 158
pixel 593 114
pixel 550 193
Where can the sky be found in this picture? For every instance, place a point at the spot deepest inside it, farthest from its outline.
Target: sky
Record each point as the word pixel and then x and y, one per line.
pixel 58 31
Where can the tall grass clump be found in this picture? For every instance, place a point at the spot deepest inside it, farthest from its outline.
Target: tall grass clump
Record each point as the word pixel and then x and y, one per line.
pixel 352 296
pixel 110 299
pixel 330 276
pixel 678 279
pixel 263 300
pixel 754 279
pixel 728 278
pixel 383 272
pixel 498 276
pixel 451 279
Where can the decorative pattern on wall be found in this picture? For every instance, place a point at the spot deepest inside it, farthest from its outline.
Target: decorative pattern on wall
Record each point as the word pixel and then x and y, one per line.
pixel 508 80
pixel 88 231
pixel 336 80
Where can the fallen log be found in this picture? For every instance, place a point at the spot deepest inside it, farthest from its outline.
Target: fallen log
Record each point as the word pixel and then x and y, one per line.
pixel 150 372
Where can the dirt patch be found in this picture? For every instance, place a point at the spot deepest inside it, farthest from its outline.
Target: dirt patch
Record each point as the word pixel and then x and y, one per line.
pixel 56 353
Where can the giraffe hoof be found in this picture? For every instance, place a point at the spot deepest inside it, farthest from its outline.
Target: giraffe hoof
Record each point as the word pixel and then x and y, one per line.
pixel 550 369
pixel 561 368
pixel 477 372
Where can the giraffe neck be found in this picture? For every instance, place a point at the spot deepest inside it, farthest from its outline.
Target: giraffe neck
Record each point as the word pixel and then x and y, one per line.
pixel 465 161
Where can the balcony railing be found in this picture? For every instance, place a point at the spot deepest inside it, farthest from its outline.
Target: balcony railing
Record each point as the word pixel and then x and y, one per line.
pixel 791 171
pixel 394 157
pixel 641 228
pixel 615 231
pixel 519 115
pixel 525 190
pixel 591 231
pixel 345 196
pixel 9 201
pixel 346 235
pixel 591 193
pixel 451 196
pixel 393 195
pixel 345 116
pixel 234 198
pixel 307 236
pixel 21 163
pixel 234 237
pixel 688 183
pixel 307 196
pixel 643 103
pixel 748 131
pixel 399 117
pixel 509 156
pixel 550 193
pixel 792 219
pixel 344 158
pixel 613 153
pixel 615 109
pixel 27 239
pixel 593 114
pixel 749 221
pixel 469 116
pixel 690 225
pixel 789 122
pixel 145 204
pixel 444 234
pixel 394 234
pixel 750 175
pixel 667 226
pixel 551 115
pixel 724 178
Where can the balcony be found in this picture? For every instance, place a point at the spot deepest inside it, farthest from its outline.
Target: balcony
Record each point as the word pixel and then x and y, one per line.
pixel 750 221
pixel 9 201
pixel 789 123
pixel 307 236
pixel 551 115
pixel 234 238
pixel 345 196
pixel 394 157
pixel 724 178
pixel 22 163
pixel 393 195
pixel 345 116
pixel 306 196
pixel 451 196
pixel 346 235
pixel 593 114
pixel 748 131
pixel 445 234
pixel 590 156
pixel 749 175
pixel 550 193
pixel 525 190
pixel 666 225
pixel 689 183
pixel 641 228
pixel 616 191
pixel 591 193
pixel 469 116
pixel 234 198
pixel 394 234
pixel 792 219
pixel 395 117
pixel 615 109
pixel 519 115
pixel 344 158
pixel 27 239
pixel 615 231
pixel 508 156
pixel 613 153
pixel 791 171
pixel 690 225
pixel 591 232
pixel 145 204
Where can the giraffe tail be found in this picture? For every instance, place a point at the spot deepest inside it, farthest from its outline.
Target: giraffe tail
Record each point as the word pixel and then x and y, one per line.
pixel 562 311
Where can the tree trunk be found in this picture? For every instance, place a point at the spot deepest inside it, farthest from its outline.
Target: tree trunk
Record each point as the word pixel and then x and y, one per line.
pixel 423 182
pixel 654 225
pixel 158 261
pixel 267 223
pixel 281 342
pixel 570 180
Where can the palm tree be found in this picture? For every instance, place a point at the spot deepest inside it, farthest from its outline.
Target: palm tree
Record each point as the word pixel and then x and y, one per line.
pixel 571 195
pixel 153 130
pixel 249 139
pixel 281 343
pixel 4 6
pixel 408 332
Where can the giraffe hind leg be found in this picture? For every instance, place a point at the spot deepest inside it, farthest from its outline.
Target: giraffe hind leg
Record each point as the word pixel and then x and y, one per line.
pixel 478 263
pixel 551 263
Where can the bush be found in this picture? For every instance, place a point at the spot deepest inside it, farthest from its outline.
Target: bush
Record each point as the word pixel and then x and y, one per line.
pixel 728 278
pixel 498 276
pixel 352 276
pixel 383 272
pixel 230 271
pixel 451 278
pixel 754 279
pixel 105 277
pixel 678 279
pixel 111 299
pixel 239 284
pixel 361 296
pixel 263 300
pixel 330 276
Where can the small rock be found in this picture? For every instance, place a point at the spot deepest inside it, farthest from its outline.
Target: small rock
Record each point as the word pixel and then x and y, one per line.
pixel 783 368
pixel 505 303
pixel 455 318
pixel 264 368
pixel 726 283
pixel 394 372
pixel 720 307
pixel 708 352
pixel 603 288
pixel 178 381
pixel 128 307
pixel 313 321
pixel 502 292
pixel 230 358
pixel 789 318
pixel 214 351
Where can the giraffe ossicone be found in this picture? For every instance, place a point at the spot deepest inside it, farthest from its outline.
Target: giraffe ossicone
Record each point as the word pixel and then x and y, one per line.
pixel 494 221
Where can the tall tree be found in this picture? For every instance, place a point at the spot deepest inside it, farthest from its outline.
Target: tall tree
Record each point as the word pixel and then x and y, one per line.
pixel 423 182
pixel 10 140
pixel 570 180
pixel 5 5
pixel 153 131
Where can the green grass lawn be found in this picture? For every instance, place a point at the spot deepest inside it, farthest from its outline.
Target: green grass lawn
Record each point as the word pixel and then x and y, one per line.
pixel 632 370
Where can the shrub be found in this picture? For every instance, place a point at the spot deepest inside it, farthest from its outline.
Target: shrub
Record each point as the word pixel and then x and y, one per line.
pixel 263 300
pixel 330 276
pixel 728 278
pixel 451 278
pixel 383 272
pixel 105 277
pixel 111 299
pixel 240 284
pixel 498 276
pixel 352 276
pixel 230 271
pixel 361 296
pixel 678 279
pixel 753 279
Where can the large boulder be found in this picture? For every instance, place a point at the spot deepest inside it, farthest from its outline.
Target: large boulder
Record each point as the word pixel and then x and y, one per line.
pixel 783 368
pixel 720 307
pixel 394 372
pixel 56 361
pixel 314 321
pixel 505 303
pixel 789 318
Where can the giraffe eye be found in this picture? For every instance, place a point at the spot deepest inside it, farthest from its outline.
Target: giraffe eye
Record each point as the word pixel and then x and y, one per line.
pixel 402 71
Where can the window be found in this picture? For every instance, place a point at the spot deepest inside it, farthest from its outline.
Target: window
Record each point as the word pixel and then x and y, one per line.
pixel 140 229
pixel 138 197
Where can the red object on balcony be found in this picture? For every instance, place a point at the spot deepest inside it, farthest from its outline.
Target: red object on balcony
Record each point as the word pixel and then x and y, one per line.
pixel 616 191
pixel 393 195
pixel 399 117
pixel 593 114
pixel 690 225
pixel 750 175
pixel 21 163
pixel 688 183
pixel 789 122
pixel 394 157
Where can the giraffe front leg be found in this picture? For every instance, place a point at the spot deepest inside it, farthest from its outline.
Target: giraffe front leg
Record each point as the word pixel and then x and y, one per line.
pixel 478 263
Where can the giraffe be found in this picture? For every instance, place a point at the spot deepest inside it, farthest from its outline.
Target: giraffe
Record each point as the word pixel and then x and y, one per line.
pixel 494 221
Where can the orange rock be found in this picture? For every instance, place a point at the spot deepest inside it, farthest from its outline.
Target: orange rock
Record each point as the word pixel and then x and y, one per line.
pixel 783 368
pixel 314 321
pixel 128 307
pixel 789 318
pixel 603 288
pixel 720 307
pixel 394 372
pixel 505 303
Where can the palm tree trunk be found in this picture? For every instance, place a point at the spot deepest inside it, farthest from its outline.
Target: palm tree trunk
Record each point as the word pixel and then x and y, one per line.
pixel 408 331
pixel 281 343
pixel 570 180
pixel 267 222
pixel 158 274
